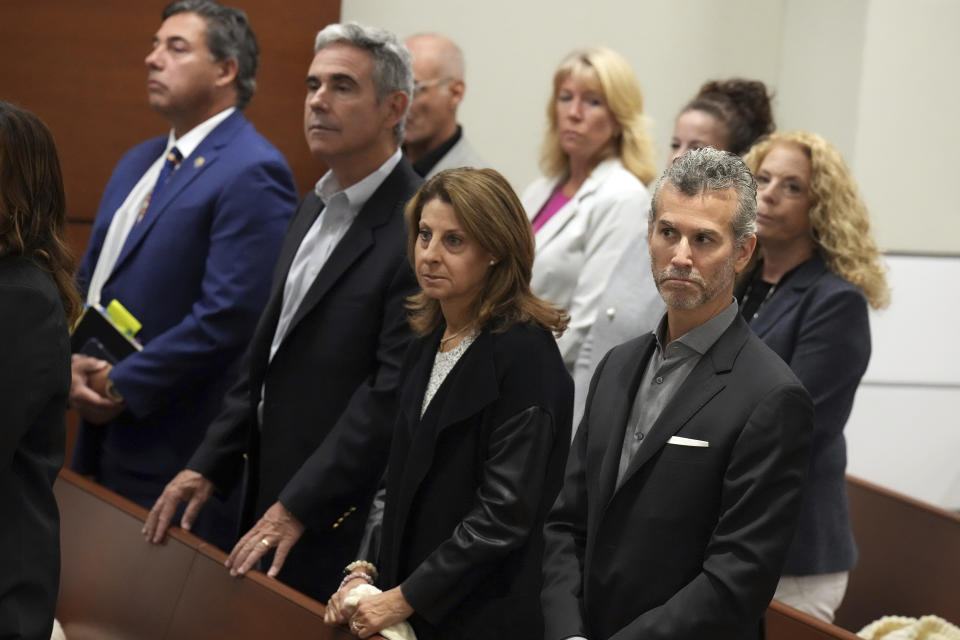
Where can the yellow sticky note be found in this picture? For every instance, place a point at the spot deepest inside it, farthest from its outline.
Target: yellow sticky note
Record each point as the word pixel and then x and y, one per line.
pixel 123 318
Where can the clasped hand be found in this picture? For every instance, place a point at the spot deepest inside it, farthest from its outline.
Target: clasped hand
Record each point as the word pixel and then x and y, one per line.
pixel 88 384
pixel 372 614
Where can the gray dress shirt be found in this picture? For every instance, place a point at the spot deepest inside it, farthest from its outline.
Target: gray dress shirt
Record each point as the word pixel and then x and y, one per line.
pixel 666 370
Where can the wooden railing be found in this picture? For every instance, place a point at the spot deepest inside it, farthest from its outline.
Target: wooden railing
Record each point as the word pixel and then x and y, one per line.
pixel 909 558
pixel 115 586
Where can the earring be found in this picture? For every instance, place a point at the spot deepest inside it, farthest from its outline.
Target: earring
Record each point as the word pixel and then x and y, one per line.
pixel 493 262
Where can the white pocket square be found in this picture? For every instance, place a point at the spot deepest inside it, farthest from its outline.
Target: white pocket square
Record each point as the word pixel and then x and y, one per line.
pixel 687 442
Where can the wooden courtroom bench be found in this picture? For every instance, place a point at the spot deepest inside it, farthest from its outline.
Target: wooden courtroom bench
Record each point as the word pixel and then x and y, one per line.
pixel 115 586
pixel 909 561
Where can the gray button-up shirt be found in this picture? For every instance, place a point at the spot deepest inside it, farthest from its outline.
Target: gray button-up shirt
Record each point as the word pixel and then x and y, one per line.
pixel 666 370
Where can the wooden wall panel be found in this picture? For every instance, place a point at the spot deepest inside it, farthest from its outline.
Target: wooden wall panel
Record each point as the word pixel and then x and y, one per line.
pixel 79 66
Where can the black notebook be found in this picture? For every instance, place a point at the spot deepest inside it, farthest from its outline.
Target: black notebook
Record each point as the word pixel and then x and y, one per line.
pixel 96 335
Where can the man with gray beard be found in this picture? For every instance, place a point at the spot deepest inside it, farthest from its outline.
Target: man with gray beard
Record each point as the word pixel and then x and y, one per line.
pixel 684 479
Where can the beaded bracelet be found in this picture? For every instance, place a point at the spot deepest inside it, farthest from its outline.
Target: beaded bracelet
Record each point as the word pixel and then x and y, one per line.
pixel 354 575
pixel 364 566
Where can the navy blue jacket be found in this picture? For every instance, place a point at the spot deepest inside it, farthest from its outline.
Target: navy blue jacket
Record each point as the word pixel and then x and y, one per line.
pixel 196 272
pixel 818 323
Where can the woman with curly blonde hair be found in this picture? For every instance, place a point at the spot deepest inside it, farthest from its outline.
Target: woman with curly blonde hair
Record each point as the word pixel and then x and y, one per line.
pixel 807 298
pixel 591 203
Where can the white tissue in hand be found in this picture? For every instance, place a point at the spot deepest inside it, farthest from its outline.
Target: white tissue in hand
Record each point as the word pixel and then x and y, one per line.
pixel 397 631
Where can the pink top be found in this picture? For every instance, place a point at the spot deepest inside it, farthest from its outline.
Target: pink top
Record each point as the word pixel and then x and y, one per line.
pixel 550 207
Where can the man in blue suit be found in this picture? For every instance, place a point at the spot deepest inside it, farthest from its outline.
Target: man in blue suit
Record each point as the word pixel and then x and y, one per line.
pixel 186 236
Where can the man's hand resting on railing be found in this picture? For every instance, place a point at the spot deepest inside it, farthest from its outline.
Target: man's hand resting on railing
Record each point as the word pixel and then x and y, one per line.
pixel 187 486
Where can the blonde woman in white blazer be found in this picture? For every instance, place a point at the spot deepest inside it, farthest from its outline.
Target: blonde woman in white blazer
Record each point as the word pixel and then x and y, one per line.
pixel 592 203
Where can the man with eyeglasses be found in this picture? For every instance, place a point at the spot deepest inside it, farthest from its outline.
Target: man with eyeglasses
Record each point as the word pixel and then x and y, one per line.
pixel 433 141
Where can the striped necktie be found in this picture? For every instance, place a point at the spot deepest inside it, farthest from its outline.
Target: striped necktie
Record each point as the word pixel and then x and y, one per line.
pixel 170 164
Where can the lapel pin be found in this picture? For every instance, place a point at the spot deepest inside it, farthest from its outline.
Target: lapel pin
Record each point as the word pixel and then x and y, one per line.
pixel 198 162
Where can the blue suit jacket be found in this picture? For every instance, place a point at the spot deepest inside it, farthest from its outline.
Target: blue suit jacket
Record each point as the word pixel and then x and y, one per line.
pixel 818 323
pixel 196 272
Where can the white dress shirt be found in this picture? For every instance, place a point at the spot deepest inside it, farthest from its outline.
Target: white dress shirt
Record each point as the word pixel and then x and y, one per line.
pixel 341 207
pixel 125 217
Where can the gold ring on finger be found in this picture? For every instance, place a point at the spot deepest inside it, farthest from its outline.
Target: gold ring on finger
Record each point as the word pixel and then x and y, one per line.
pixel 265 543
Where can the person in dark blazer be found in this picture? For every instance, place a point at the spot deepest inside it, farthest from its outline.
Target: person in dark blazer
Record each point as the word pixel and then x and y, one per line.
pixel 38 300
pixel 321 373
pixel 685 476
pixel 482 430
pixel 725 114
pixel 189 255
pixel 807 300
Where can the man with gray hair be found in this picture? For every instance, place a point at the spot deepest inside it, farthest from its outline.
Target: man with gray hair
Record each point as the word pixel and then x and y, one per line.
pixel 433 140
pixel 307 428
pixel 684 479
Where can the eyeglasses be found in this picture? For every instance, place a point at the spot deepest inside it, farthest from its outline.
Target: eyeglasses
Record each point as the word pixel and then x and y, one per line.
pixel 420 87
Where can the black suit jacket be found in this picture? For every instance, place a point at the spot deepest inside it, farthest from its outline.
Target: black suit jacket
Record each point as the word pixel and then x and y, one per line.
pixel 819 324
pixel 691 543
pixel 470 483
pixel 34 383
pixel 329 389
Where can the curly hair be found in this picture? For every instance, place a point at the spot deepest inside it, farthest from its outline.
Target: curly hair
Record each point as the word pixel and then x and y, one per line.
pixel 491 214
pixel 32 202
pixel 618 84
pixel 839 218
pixel 741 106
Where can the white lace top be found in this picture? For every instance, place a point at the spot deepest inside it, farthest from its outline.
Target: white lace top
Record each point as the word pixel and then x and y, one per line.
pixel 443 364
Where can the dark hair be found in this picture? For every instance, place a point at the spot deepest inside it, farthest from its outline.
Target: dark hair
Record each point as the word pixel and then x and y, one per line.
pixel 491 214
pixel 741 106
pixel 33 210
pixel 228 36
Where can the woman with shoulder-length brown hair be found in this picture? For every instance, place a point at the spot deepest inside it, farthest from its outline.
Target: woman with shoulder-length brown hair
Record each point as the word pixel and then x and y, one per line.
pixel 37 300
pixel 483 427
pixel 818 270
pixel 590 205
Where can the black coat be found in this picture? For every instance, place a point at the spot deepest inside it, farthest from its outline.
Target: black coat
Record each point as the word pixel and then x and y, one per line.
pixel 34 383
pixel 330 389
pixel 690 545
pixel 469 485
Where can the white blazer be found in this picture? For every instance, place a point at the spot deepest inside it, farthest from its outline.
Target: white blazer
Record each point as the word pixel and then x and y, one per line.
pixel 578 248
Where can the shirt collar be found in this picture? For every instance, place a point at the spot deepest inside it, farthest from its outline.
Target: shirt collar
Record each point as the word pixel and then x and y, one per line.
pixel 701 338
pixel 189 141
pixel 423 166
pixel 357 194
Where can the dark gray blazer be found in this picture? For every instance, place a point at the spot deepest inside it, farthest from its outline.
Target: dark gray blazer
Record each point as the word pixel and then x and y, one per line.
pixel 690 545
pixel 818 324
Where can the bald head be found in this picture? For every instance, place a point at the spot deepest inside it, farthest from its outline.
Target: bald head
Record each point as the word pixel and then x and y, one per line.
pixel 438 54
pixel 438 72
